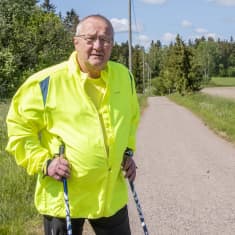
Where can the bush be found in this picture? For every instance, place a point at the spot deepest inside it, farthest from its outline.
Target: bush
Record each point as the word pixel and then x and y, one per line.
pixel 231 71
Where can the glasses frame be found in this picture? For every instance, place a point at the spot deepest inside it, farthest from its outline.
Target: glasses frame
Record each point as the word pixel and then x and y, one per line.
pixel 91 39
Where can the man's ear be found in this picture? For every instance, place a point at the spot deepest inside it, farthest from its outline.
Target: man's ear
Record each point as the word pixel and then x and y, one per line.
pixel 75 41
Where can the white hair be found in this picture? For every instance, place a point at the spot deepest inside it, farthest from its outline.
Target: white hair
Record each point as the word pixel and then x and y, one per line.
pixel 78 28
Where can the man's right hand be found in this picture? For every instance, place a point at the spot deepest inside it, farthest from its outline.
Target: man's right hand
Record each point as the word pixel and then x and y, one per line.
pixel 59 168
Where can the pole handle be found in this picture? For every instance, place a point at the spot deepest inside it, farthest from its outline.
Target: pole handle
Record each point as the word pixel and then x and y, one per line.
pixel 66 197
pixel 61 149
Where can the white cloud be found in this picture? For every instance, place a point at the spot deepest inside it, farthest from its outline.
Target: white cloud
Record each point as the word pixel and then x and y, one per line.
pixel 186 24
pixel 143 40
pixel 204 32
pixel 122 25
pixel 207 35
pixel 168 37
pixel 212 35
pixel 201 30
pixel 159 2
pixel 224 2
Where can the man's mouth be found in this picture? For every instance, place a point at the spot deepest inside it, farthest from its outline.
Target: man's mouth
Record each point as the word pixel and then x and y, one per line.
pixel 97 55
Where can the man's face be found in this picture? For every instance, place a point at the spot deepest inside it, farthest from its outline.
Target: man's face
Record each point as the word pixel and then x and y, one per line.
pixel 94 45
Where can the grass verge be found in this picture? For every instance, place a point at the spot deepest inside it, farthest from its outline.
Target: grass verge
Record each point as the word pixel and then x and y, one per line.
pixel 222 81
pixel 143 101
pixel 18 215
pixel 217 113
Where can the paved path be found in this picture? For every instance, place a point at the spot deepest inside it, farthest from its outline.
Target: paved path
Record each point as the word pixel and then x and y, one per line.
pixel 186 174
pixel 227 92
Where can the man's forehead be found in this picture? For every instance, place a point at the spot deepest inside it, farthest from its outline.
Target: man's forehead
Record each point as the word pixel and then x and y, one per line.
pixel 95 25
pixel 95 21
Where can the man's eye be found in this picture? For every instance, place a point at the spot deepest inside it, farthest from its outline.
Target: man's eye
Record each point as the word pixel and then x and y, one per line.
pixel 104 40
pixel 90 39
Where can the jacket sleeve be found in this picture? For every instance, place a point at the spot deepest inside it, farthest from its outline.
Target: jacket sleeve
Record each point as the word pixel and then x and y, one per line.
pixel 25 119
pixel 135 113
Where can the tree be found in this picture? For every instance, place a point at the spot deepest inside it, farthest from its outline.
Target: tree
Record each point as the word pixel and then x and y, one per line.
pixel 52 46
pixel 206 55
pixel 180 71
pixel 120 53
pixel 7 71
pixel 47 6
pixel 195 76
pixel 14 17
pixel 176 67
pixel 31 39
pixel 154 57
pixel 71 21
pixel 137 67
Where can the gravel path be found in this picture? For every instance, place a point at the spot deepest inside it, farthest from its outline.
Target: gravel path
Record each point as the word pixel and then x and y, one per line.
pixel 186 175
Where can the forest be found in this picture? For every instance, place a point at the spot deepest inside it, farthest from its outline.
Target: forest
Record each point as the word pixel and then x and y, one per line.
pixel 33 36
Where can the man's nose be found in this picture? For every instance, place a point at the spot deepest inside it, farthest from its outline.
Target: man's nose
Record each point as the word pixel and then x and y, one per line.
pixel 98 43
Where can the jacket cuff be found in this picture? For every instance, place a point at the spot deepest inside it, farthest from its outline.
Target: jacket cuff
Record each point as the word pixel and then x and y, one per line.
pixel 45 167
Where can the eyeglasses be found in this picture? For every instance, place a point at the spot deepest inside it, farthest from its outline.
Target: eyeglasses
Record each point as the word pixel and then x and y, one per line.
pixel 92 39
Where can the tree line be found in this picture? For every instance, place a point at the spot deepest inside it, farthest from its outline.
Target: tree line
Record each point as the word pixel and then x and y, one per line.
pixel 34 36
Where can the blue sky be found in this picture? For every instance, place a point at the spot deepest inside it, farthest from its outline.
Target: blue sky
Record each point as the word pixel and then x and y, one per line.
pixel 160 19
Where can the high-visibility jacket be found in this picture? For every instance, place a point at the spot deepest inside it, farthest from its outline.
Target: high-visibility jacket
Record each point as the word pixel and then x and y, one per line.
pixel 52 107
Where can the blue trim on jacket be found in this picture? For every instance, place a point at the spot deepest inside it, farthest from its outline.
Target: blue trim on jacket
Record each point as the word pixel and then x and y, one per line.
pixel 44 89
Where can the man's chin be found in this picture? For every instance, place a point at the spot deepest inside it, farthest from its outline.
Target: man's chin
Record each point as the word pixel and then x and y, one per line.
pixel 98 65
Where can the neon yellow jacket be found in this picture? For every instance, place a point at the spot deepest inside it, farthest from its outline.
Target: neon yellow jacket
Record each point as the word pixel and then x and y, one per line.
pixel 51 106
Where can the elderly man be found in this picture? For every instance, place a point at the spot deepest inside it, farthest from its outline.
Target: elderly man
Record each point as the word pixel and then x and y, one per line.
pixel 89 104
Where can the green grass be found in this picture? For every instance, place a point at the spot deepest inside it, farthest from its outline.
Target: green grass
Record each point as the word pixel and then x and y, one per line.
pixel 222 81
pixel 216 112
pixel 18 215
pixel 143 102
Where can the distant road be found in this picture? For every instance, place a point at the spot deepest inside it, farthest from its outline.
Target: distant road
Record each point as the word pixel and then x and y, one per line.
pixel 227 92
pixel 186 174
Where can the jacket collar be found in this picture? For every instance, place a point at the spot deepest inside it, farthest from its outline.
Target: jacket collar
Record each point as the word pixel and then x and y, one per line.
pixel 74 69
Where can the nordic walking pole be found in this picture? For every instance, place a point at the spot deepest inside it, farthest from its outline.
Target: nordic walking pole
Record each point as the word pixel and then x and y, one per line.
pixel 141 216
pixel 129 153
pixel 66 198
